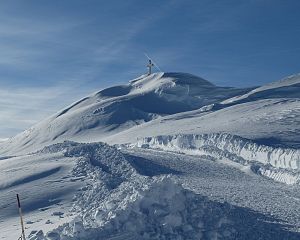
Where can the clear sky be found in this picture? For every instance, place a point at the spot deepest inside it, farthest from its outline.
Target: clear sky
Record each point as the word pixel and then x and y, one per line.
pixel 53 52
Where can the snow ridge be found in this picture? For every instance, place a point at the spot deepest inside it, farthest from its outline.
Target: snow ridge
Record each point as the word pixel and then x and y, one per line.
pixel 281 164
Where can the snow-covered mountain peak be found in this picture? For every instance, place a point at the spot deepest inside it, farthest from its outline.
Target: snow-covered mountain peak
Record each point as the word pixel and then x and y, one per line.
pixel 117 108
pixel 156 80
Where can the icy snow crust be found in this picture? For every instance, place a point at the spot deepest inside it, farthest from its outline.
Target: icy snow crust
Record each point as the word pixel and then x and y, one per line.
pixel 116 201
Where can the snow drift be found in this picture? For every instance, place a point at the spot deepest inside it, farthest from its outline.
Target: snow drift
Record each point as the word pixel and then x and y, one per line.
pixel 234 148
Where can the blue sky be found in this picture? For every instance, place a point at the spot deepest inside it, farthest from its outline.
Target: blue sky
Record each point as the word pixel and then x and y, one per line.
pixel 55 52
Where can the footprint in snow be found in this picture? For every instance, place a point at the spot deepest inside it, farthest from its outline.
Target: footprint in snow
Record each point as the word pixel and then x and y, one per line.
pixel 59 214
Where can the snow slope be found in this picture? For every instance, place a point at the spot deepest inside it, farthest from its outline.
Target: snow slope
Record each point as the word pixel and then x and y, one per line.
pixel 288 87
pixel 269 114
pixel 208 175
pixel 94 191
pixel 118 108
pixel 274 122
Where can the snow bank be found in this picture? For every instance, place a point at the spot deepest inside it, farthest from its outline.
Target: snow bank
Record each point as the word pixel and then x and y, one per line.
pixel 280 164
pixel 280 175
pixel 162 210
pixel 233 147
pixel 118 203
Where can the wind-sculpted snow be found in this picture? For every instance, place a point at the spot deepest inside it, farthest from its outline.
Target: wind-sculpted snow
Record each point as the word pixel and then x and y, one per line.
pixel 235 149
pixel 279 175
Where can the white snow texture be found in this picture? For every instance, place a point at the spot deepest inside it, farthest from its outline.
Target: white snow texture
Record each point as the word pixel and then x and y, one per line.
pixel 166 156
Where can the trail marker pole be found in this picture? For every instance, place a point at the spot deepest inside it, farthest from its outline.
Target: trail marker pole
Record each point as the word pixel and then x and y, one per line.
pixel 21 217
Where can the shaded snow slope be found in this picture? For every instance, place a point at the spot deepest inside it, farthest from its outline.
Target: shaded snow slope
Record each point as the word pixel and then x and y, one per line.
pixel 46 187
pixel 118 108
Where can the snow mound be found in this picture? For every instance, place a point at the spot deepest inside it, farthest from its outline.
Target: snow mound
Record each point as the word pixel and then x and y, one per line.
pixel 161 209
pixel 280 164
pixel 111 166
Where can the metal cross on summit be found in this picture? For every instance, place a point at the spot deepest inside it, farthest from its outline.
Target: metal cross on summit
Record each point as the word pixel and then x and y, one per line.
pixel 150 65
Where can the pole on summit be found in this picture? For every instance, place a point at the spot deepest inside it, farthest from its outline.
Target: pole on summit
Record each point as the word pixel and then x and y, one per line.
pixel 21 217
